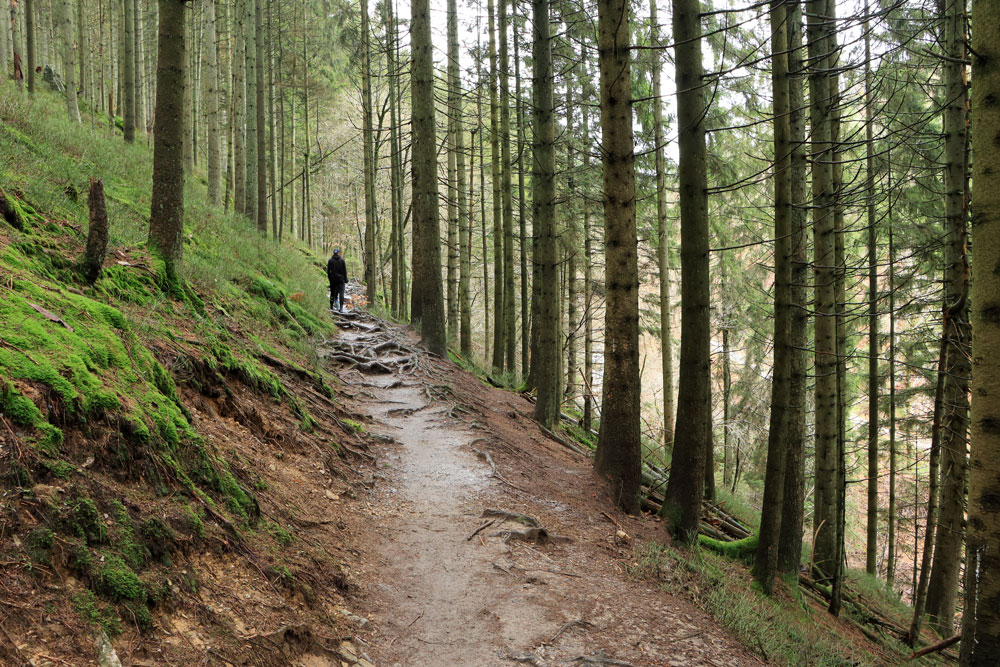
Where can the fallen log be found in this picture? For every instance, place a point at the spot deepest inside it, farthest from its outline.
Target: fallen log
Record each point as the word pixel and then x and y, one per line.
pixel 933 648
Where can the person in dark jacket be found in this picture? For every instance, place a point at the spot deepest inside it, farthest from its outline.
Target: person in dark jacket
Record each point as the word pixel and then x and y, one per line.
pixel 336 271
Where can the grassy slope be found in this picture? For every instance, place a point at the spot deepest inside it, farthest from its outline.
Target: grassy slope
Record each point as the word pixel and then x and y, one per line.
pixel 95 432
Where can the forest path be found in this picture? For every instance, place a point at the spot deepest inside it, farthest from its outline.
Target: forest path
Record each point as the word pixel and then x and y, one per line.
pixel 443 594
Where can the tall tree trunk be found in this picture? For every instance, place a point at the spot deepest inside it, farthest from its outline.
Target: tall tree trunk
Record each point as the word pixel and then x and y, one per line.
pixel 766 563
pixel 29 41
pixel 166 217
pixel 521 207
pixel 6 38
pixel 189 111
pixel 619 441
pixel 588 270
pixel 920 592
pixel 981 615
pixel 682 504
pixel 662 234
pixel 250 25
pixel 495 177
pixel 425 188
pixel 509 303
pixel 272 163
pixel 454 131
pixel 238 120
pixel 943 584
pixel 825 513
pixel 871 544
pixel 459 314
pixel 211 97
pixel 793 498
pixel 890 565
pixel 128 70
pixel 69 58
pixel 140 70
pixel 571 240
pixel 371 254
pixel 261 121
pixel 545 316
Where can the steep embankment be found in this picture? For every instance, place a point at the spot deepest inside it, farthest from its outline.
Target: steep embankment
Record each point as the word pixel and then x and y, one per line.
pixel 176 468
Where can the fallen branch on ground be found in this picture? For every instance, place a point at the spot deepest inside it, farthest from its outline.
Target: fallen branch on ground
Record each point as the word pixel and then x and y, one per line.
pixel 933 648
pixel 480 529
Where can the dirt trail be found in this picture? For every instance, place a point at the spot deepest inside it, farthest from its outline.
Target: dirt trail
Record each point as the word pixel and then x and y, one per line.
pixel 441 596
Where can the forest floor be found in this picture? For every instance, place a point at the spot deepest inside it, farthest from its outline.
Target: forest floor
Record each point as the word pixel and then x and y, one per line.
pixel 491 544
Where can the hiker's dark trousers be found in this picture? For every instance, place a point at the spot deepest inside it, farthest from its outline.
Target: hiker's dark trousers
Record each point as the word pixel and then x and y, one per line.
pixel 337 295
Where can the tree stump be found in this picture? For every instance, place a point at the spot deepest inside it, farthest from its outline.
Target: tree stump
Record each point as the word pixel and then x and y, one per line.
pixel 97 238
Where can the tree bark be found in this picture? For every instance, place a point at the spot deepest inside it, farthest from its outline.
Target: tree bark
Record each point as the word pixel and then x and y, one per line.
pixel 261 125
pixel 766 562
pixel 97 234
pixel 619 442
pixel 371 255
pixel 166 218
pixel 825 513
pixel 793 498
pixel 545 286
pixel 871 544
pixel 495 179
pixel 211 97
pixel 682 503
pixel 506 193
pixel 128 70
pixel 249 24
pixel 662 233
pixel 943 585
pixel 454 132
pixel 29 39
pixel 981 615
pixel 238 119
pixel 425 188
pixel 69 59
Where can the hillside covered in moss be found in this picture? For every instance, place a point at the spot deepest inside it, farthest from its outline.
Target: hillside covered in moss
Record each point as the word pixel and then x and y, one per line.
pixel 153 434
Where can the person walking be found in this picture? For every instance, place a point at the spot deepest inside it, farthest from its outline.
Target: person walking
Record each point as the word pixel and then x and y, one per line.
pixel 336 272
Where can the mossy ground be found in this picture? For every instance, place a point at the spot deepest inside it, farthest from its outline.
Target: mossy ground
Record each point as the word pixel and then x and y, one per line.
pixel 109 473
